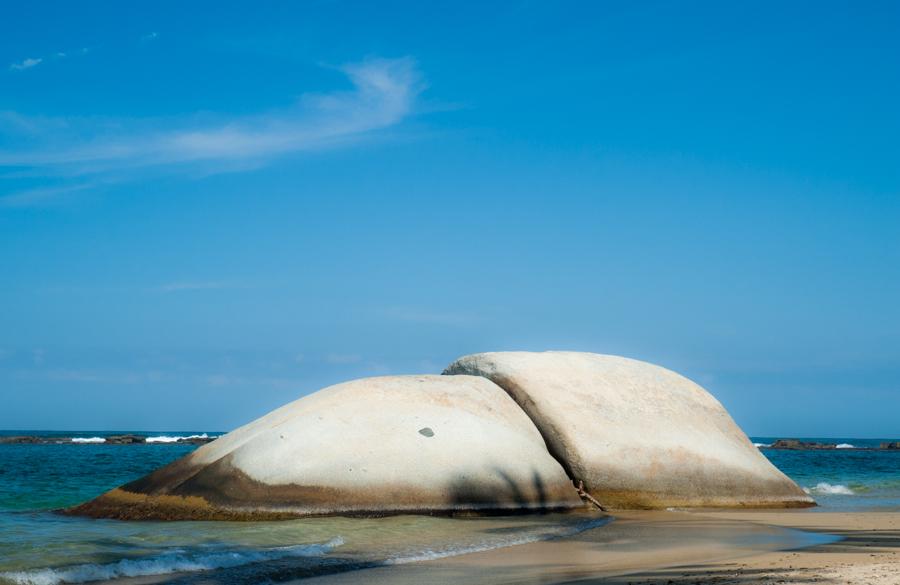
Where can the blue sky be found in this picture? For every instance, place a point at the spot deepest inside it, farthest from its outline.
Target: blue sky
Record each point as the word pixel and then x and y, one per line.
pixel 208 210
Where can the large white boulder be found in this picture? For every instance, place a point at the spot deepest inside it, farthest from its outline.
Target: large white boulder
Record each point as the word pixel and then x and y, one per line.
pixel 371 446
pixel 636 434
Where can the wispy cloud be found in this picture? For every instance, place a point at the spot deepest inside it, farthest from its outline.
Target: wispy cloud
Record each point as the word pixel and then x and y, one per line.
pixel 151 36
pixel 35 61
pixel 39 196
pixel 384 92
pixel 26 63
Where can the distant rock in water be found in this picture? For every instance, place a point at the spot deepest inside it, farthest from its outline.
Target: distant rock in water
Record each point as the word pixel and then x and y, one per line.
pixel 128 439
pixel 125 439
pixel 394 444
pixel 637 435
pixel 20 440
pixel 798 445
pixel 195 440
pixel 795 444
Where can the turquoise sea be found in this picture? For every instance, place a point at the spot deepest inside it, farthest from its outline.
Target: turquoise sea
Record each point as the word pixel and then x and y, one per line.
pixel 851 477
pixel 40 547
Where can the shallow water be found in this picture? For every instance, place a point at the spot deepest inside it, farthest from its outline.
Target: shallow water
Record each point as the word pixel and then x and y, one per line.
pixel 41 547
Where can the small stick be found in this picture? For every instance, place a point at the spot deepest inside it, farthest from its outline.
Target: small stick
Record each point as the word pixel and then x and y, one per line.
pixel 587 496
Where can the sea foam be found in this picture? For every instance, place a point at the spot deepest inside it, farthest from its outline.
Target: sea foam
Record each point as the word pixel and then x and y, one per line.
pixel 453 551
pixel 174 439
pixel 166 564
pixel 844 446
pixel 829 489
pixel 88 440
pixel 760 445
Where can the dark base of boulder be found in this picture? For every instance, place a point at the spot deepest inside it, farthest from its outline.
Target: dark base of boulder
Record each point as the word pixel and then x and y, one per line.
pixel 120 504
pixel 633 500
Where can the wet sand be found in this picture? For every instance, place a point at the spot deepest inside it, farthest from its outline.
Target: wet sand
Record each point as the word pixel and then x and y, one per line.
pixel 867 554
pixel 709 547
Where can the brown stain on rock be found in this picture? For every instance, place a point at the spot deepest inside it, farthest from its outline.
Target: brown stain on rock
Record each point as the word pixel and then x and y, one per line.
pixel 120 504
pixel 220 491
pixel 704 493
pixel 644 500
pixel 165 478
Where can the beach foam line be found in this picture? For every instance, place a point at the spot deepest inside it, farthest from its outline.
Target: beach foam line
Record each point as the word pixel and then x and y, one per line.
pixel 88 440
pixel 174 439
pixel 829 489
pixel 432 554
pixel 165 564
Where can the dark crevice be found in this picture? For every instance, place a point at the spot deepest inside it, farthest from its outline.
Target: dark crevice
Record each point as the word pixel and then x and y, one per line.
pixel 518 397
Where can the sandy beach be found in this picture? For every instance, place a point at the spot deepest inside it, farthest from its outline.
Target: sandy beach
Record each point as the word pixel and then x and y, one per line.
pixel 644 548
pixel 866 554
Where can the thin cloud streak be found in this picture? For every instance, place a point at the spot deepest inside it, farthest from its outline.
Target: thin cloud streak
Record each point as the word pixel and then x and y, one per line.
pixel 384 93
pixel 35 61
pixel 26 63
pixel 31 197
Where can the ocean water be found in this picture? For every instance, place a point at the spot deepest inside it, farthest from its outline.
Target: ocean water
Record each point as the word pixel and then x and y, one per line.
pixel 845 478
pixel 38 546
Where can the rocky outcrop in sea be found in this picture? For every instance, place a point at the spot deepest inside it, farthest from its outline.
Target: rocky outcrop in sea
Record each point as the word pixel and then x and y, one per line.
pixel 498 432
pixel 126 439
pixel 798 445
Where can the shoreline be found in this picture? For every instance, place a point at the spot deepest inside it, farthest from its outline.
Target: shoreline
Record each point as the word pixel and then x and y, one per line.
pixel 650 548
pixel 868 553
pixel 710 547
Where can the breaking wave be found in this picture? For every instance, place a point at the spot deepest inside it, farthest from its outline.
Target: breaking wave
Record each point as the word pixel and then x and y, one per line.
pixel 182 561
pixel 453 551
pixel 760 445
pixel 844 446
pixel 174 439
pixel 829 489
pixel 88 440
pixel 175 562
